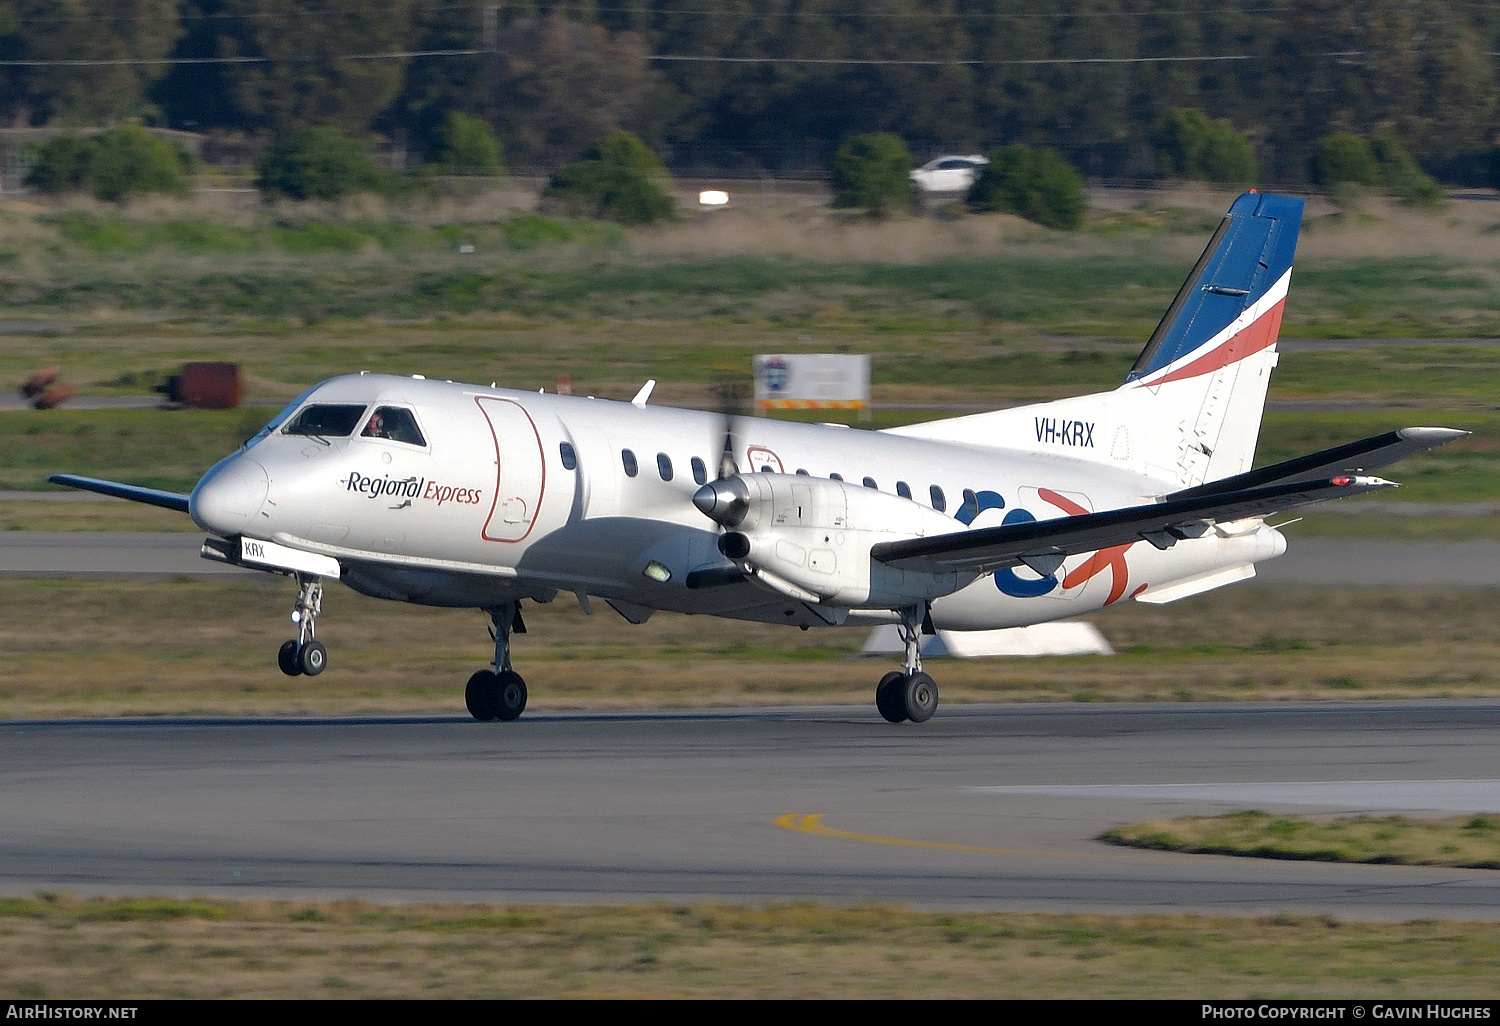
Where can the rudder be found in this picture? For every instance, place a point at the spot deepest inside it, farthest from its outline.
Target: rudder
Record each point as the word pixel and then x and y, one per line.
pixel 1208 363
pixel 1189 411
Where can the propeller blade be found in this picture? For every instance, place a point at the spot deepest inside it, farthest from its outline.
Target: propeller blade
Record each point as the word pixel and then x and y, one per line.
pixel 730 387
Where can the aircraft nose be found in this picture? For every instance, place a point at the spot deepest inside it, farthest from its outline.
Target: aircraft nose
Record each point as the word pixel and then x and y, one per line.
pixel 229 496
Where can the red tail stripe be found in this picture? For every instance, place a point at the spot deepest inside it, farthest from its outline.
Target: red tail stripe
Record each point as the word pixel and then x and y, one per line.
pixel 1261 334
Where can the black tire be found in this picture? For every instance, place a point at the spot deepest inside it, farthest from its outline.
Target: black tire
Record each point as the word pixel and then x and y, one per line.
pixel 890 697
pixel 313 659
pixel 510 695
pixel 287 659
pixel 482 696
pixel 920 696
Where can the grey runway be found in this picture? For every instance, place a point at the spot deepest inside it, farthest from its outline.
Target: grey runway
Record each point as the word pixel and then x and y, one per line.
pixel 1308 561
pixel 107 554
pixel 992 807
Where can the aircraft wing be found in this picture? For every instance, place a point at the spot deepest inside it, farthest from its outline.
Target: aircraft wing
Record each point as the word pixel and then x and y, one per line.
pixel 1044 544
pixel 1353 458
pixel 150 496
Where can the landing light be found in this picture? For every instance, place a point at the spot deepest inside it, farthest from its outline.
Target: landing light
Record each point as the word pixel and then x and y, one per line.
pixel 657 572
pixel 713 198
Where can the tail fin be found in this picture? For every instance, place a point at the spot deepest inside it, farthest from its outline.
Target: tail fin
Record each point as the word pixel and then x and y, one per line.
pixel 1190 409
pixel 1209 362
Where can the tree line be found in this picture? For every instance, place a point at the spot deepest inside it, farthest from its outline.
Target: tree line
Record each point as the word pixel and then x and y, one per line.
pixel 774 85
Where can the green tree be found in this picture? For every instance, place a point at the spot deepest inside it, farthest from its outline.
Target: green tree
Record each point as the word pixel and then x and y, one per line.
pixel 1037 184
pixel 441 82
pixel 113 165
pixel 128 161
pixel 1453 106
pixel 623 149
pixel 1193 145
pixel 305 77
pixel 466 146
pixel 60 165
pixel 873 172
pixel 1343 158
pixel 560 85
pixel 1400 174
pixel 319 163
pixel 132 33
pixel 622 180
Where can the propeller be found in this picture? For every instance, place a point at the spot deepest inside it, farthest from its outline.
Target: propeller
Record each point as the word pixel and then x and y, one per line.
pixel 725 500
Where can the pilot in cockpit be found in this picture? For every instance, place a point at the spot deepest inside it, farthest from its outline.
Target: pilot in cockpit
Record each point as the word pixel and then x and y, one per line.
pixel 395 424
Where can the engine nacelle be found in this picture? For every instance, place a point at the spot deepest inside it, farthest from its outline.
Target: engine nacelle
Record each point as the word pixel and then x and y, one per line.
pixel 810 538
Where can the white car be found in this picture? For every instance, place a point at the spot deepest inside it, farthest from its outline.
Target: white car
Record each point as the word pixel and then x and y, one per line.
pixel 948 174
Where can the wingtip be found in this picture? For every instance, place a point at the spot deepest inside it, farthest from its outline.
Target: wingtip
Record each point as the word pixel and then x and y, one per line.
pixel 1431 435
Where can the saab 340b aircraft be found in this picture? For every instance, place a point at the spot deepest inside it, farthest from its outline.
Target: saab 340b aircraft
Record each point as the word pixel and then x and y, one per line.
pixel 449 494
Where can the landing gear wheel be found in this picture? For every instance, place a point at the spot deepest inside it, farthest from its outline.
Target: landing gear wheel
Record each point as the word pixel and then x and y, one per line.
pixel 313 659
pixel 510 692
pixel 482 696
pixel 920 697
pixel 890 697
pixel 287 659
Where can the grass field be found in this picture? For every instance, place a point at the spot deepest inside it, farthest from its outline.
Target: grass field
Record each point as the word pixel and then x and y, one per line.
pixel 208 647
pixel 1470 842
pixel 56 946
pixel 983 307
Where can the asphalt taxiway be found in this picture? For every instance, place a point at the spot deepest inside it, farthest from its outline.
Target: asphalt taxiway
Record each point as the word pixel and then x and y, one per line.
pixel 994 807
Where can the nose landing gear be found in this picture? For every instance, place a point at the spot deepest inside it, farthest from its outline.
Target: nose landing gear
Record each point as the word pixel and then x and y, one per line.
pixel 911 695
pixel 499 694
pixel 303 654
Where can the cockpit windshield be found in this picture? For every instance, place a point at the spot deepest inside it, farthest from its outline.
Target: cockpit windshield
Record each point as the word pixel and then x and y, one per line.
pixel 395 424
pixel 280 418
pixel 326 420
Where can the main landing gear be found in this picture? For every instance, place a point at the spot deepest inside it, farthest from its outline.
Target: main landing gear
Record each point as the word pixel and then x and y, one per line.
pixel 302 654
pixel 499 694
pixel 911 695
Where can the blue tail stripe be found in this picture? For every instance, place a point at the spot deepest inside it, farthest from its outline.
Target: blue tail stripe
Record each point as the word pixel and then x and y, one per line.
pixel 1250 252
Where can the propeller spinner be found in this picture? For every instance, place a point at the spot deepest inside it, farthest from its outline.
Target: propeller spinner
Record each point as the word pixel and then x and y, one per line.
pixel 725 500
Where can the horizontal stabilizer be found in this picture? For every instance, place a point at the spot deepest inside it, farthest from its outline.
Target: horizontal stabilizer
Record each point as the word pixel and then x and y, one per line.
pixel 1161 523
pixel 1352 458
pixel 135 493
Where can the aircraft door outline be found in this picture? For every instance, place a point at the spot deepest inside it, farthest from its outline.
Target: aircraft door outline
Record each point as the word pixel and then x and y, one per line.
pixel 520 470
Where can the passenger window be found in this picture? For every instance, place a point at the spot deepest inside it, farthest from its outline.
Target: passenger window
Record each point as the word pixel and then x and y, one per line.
pixel 664 466
pixel 903 489
pixel 870 483
pixel 326 420
pixel 835 477
pixel 631 467
pixel 939 503
pixel 801 472
pixel 970 508
pixel 394 424
pixel 700 471
pixel 569 457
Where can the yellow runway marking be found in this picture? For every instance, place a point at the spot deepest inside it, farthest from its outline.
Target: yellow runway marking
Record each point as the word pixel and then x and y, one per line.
pixel 813 824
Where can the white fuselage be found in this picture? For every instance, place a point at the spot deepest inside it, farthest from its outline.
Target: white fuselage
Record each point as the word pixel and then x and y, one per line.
pixel 508 495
